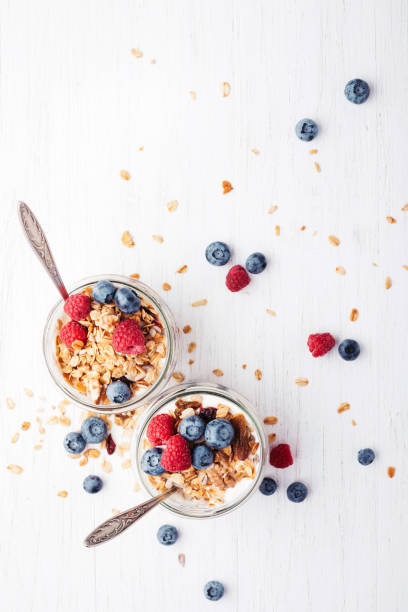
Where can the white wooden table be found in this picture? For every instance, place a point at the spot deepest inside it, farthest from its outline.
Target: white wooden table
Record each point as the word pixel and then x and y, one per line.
pixel 76 107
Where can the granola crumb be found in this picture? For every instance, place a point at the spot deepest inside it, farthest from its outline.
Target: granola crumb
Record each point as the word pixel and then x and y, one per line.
pixel 172 205
pixel 341 270
pixel 190 361
pixel 15 469
pixel 271 312
pixel 334 240
pixel 272 209
pixel 192 347
pixel 317 166
pixel 353 423
pixel 182 559
pixel 354 314
pixel 187 329
pixel 62 493
pixel 302 229
pixel 226 187
pixel 38 446
pixel 25 425
pixel 218 372
pixel 391 471
pixel 28 392
pixel 153 61
pixel 126 464
pixel 106 466
pixel 388 282
pixel 375 265
pixel 271 438
pixel 182 270
pixel 166 287
pixel 199 303
pixel 313 151
pixel 64 420
pixel 178 376
pixel 405 267
pixel 301 382
pixel 404 208
pixel 391 220
pixel 193 95
pixel 136 53
pixel 124 174
pixel 270 420
pixel 244 366
pixel 141 149
pixel 15 438
pixel 127 240
pixel 157 238
pixel 343 407
pixel 115 511
pixel 258 374
pixel 134 275
pixel 10 403
pixel 255 151
pixel 136 486
pixel 277 230
pixel 225 89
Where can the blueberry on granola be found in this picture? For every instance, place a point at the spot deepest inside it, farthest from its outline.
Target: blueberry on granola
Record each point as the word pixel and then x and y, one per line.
pixel 306 129
pixel 213 590
pixel 219 433
pixel 74 443
pixel 297 492
pixel 366 456
pixel 118 392
pixel 167 535
pixel 126 300
pixel 103 292
pixel 268 486
pixel 92 484
pixel 349 349
pixel 151 461
pixel 94 430
pixel 218 253
pixel 357 91
pixel 202 457
pixel 192 428
pixel 256 263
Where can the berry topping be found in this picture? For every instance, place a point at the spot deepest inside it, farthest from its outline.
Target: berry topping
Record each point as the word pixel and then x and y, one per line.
pixel 128 338
pixel 268 486
pixel 349 349
pixel 357 91
pixel 213 590
pixel 151 462
pixel 176 456
pixel 237 278
pixel 73 332
pixel 208 414
pixel 202 457
pixel 103 292
pixel 92 484
pixel 306 129
pixel 219 433
pixel 160 428
pixel 126 300
pixel 94 430
pixel 192 428
pixel 280 456
pixel 110 445
pixel 74 443
pixel 167 535
pixel 256 263
pixel 118 392
pixel 320 344
pixel 217 253
pixel 297 492
pixel 78 306
pixel 366 456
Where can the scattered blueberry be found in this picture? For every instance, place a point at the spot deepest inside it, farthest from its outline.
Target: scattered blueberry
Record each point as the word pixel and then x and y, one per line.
pixel 357 91
pixel 103 292
pixel 268 486
pixel 349 349
pixel 74 443
pixel 218 253
pixel 366 456
pixel 201 457
pixel 192 428
pixel 256 263
pixel 167 535
pixel 213 590
pixel 126 300
pixel 92 484
pixel 151 461
pixel 94 430
pixel 306 129
pixel 297 492
pixel 118 392
pixel 219 433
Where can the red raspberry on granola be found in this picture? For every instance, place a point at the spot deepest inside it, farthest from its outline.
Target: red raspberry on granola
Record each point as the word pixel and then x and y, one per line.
pixel 160 428
pixel 73 332
pixel 78 306
pixel 128 338
pixel 176 456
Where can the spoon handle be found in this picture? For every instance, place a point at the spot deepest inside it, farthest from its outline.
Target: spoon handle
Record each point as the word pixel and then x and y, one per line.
pixel 40 246
pixel 117 524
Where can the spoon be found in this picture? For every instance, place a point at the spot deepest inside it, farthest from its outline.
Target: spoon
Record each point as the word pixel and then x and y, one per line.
pixel 40 246
pixel 117 524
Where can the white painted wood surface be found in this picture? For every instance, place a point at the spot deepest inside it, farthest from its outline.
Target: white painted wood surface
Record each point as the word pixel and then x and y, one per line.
pixel 75 107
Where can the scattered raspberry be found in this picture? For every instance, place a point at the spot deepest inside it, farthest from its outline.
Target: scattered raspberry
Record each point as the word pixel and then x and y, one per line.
pixel 280 456
pixel 160 429
pixel 176 456
pixel 72 332
pixel 320 344
pixel 78 306
pixel 128 338
pixel 110 445
pixel 237 278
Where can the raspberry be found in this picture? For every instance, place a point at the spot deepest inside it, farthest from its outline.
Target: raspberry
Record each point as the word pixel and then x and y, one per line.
pixel 176 456
pixel 78 306
pixel 72 332
pixel 128 339
pixel 280 456
pixel 237 278
pixel 320 344
pixel 160 428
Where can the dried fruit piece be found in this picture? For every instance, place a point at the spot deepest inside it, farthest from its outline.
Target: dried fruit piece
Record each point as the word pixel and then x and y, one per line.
pixel 391 472
pixel 226 187
pixel 110 445
pixel 127 240
pixel 241 442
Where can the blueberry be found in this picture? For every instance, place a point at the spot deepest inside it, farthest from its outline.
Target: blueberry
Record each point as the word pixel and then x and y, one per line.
pixel 103 292
pixel 201 457
pixel 256 263
pixel 218 253
pixel 213 590
pixel 349 349
pixel 297 492
pixel 118 392
pixel 74 443
pixel 192 428
pixel 357 91
pixel 268 486
pixel 306 129
pixel 366 456
pixel 167 535
pixel 219 433
pixel 151 461
pixel 94 430
pixel 126 300
pixel 92 484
